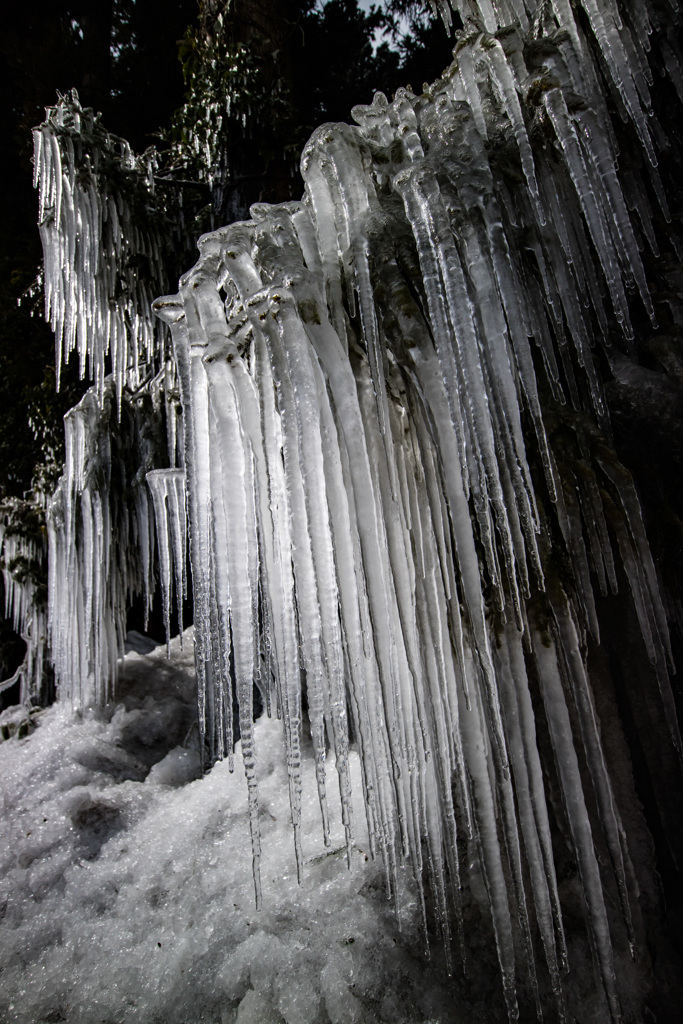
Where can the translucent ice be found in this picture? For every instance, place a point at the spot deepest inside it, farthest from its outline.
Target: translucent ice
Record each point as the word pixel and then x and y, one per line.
pixel 372 495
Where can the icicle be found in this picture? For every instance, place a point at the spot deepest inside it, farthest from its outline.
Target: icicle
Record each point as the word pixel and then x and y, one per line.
pixel 21 558
pixel 566 134
pixel 577 814
pixel 505 85
pixel 314 550
pixel 95 299
pixel 98 549
pixel 168 491
pixel 232 491
pixel 490 853
pixel 607 34
pixel 609 817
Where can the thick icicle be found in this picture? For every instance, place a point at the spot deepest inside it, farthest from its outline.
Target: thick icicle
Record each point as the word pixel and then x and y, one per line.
pixel 97 545
pixel 95 300
pixel 168 491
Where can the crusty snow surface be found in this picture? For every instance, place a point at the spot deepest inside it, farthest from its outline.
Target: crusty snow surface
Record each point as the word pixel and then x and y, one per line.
pixel 126 889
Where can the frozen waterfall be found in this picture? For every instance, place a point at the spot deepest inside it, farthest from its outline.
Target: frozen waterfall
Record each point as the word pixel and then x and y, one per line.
pixel 383 535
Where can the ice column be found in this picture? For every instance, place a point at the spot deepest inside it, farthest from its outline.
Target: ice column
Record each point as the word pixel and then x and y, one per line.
pixel 101 548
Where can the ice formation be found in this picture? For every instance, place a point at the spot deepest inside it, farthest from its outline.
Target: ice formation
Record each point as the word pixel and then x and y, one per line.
pixel 168 493
pixel 103 252
pixel 101 540
pixel 22 553
pixel 378 523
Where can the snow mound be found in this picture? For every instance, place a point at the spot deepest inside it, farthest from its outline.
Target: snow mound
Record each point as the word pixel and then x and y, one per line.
pixel 127 890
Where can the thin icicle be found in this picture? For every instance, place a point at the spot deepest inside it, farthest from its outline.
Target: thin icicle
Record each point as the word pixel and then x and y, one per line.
pixel 168 491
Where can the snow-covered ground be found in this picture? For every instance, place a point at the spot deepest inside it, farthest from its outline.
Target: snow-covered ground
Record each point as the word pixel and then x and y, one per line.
pixel 126 888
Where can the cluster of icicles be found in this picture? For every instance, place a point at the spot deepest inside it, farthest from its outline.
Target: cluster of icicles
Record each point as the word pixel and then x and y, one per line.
pixel 18 554
pixel 96 300
pixel 367 513
pixel 102 549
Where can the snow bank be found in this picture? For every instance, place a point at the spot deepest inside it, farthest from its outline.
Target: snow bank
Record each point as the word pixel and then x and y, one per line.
pixel 127 891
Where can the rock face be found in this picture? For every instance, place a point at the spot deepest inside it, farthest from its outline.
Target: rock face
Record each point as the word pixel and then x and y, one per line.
pixel 412 405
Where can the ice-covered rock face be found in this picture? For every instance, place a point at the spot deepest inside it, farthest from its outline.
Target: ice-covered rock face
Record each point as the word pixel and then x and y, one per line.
pixel 379 524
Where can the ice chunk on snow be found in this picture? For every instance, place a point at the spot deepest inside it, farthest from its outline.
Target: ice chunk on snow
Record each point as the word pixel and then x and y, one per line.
pixel 179 766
